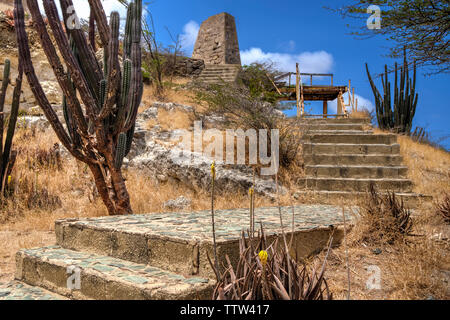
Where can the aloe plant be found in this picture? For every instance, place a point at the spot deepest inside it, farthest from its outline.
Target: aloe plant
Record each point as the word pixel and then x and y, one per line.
pixel 8 157
pixel 100 103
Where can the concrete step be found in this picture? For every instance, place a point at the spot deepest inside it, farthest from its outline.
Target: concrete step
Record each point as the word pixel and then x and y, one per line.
pixel 216 77
pixel 353 159
pixel 356 171
pixel 180 241
pixel 103 277
pixel 338 132
pixel 216 72
pixel 16 290
pixel 410 200
pixel 311 121
pixel 335 126
pixel 354 184
pixel 332 148
pixel 222 66
pixel 354 138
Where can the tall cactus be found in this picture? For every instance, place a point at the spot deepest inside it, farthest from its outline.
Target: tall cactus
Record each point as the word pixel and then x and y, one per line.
pixel 99 133
pixel 400 117
pixel 7 157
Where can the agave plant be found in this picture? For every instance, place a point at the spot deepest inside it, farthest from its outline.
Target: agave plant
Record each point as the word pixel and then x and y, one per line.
pixel 268 273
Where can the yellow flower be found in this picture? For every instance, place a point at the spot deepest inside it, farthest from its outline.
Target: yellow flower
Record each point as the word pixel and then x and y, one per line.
pixel 213 169
pixel 9 179
pixel 250 191
pixel 263 257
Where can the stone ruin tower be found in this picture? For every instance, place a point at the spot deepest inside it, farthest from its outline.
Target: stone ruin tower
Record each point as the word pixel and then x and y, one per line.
pixel 217 41
pixel 217 45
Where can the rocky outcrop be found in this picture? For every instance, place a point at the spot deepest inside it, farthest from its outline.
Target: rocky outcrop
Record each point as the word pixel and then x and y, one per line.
pixel 154 151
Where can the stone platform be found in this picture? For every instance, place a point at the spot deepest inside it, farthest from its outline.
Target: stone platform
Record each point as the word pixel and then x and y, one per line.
pixel 158 255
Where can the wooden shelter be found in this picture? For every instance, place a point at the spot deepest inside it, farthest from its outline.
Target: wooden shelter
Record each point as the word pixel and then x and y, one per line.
pixel 301 92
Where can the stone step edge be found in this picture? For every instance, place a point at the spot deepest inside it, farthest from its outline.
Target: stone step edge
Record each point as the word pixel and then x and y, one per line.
pixel 350 166
pixel 410 199
pixel 104 277
pixel 17 290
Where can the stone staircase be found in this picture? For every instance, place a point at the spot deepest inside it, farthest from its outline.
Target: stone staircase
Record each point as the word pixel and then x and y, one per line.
pixel 343 157
pixel 154 256
pixel 216 73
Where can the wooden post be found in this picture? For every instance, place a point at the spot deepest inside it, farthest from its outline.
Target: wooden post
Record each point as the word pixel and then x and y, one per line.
pixel 325 108
pixel 353 99
pixel 297 89
pixel 356 105
pixel 310 77
pixel 349 94
pixel 339 104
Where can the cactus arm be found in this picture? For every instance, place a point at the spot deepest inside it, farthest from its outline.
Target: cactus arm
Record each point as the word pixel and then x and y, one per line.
pixel 113 66
pixel 58 69
pixel 5 82
pixel 100 18
pixel 92 31
pixel 123 96
pixel 77 75
pixel 127 36
pixel 120 150
pixel 33 81
pixel 12 122
pixel 89 66
pixel 130 135
pixel 136 72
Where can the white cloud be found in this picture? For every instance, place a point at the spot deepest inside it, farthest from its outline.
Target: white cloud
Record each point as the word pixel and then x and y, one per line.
pixel 83 10
pixel 189 35
pixel 314 62
pixel 362 103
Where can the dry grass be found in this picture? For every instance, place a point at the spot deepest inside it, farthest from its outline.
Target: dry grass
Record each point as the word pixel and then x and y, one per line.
pixel 172 93
pixel 428 167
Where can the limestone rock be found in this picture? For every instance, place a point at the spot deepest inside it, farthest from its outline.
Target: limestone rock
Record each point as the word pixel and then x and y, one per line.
pixel 179 203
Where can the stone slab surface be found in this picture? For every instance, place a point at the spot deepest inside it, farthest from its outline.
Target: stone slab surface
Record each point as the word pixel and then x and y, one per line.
pixel 196 225
pixel 181 241
pixel 16 290
pixel 104 277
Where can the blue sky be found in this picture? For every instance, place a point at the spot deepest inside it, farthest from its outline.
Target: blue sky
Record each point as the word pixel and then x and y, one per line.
pixel 303 31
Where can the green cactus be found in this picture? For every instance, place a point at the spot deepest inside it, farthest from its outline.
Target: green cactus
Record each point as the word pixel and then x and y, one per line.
pixel 120 149
pixel 398 118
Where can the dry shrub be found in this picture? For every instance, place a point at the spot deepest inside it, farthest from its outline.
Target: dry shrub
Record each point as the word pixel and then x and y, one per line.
pixel 383 219
pixel 276 277
pixel 44 158
pixel 442 207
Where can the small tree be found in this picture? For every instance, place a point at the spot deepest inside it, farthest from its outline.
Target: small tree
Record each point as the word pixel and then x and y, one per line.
pixel 100 105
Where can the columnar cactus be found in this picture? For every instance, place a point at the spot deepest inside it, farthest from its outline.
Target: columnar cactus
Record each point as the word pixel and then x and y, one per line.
pixel 405 100
pixel 7 157
pixel 100 103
